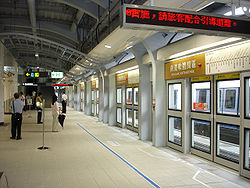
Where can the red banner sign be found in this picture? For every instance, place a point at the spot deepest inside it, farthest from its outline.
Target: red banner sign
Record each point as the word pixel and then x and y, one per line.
pixel 200 106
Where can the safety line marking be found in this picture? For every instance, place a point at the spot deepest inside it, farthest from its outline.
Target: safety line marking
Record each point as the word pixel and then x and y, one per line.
pixel 194 178
pixel 130 165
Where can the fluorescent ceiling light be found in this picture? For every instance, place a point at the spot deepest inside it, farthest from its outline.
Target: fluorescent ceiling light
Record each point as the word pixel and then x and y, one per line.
pixel 82 82
pixel 107 46
pixel 128 47
pixel 36 54
pixel 128 69
pixel 77 68
pixel 205 6
pixel 191 51
pixel 238 12
pixel 37 67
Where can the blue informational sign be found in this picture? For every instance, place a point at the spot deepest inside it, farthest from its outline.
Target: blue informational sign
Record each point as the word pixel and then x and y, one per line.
pixel 32 74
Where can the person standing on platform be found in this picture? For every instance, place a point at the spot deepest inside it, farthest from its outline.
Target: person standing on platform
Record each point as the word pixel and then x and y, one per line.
pixel 55 113
pixel 64 102
pixel 16 118
pixel 39 105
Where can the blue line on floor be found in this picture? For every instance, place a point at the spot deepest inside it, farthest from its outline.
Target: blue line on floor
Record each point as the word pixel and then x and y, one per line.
pixel 130 165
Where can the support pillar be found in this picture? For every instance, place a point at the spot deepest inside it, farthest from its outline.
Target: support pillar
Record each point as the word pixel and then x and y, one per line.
pixel 88 98
pixel 1 85
pixel 78 99
pixel 145 98
pixel 112 100
pixel 101 82
pixel 106 98
pixel 159 113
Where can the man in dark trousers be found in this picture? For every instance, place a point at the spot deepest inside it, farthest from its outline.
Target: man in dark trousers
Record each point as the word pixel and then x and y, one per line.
pixel 39 105
pixel 64 102
pixel 16 118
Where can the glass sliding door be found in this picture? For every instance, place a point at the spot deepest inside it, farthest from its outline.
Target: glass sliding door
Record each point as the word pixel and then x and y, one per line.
pixel 202 116
pixel 245 125
pixel 227 120
pixel 175 114
pixel 119 104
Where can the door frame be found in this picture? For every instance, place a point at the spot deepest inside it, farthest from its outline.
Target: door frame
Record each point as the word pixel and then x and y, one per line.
pixel 245 124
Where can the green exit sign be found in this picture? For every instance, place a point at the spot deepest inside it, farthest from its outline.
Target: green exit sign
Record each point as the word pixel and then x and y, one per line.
pixel 56 74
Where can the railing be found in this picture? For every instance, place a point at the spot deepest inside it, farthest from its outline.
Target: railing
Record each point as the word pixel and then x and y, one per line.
pixel 109 21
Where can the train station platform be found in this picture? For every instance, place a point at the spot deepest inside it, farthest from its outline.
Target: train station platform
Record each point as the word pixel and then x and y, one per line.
pixel 88 153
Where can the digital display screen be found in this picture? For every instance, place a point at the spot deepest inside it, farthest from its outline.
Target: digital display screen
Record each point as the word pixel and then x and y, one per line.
pixel 185 20
pixel 36 74
pixel 62 84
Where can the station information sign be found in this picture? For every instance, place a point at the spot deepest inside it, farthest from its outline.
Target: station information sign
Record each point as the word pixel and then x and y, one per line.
pixel 155 18
pixel 56 74
pixel 36 74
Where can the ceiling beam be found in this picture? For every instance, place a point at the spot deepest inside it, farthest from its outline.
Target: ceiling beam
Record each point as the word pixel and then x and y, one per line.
pixel 88 7
pixel 32 13
pixel 102 3
pixel 78 18
pixel 19 22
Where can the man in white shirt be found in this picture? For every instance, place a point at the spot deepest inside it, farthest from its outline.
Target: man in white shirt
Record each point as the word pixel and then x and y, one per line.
pixel 16 118
pixel 64 102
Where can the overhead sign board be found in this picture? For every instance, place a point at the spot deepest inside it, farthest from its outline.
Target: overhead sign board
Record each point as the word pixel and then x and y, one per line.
pixel 36 74
pixel 186 67
pixel 56 74
pixel 155 18
pixel 121 79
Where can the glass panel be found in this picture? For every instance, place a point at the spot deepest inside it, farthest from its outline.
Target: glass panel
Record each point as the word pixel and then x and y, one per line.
pixel 201 96
pixel 129 116
pixel 201 135
pixel 174 99
pixel 174 130
pixel 93 95
pixel 228 97
pixel 119 96
pixel 247 150
pixel 92 108
pixel 228 142
pixel 129 95
pixel 136 96
pixel 97 95
pixel 119 115
pixel 136 118
pixel 247 97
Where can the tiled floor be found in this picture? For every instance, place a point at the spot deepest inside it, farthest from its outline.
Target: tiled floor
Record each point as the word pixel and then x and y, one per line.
pixel 77 159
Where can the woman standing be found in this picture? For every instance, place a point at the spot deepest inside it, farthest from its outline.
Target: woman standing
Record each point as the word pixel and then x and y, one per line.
pixel 55 112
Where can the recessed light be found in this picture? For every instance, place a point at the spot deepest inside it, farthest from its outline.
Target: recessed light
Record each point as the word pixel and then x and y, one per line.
pixel 36 54
pixel 37 67
pixel 90 64
pixel 107 46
